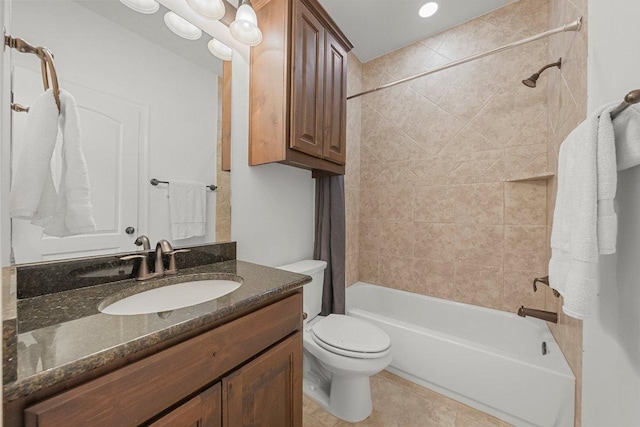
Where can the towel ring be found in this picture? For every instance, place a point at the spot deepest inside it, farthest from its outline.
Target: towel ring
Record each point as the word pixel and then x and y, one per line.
pixel 47 67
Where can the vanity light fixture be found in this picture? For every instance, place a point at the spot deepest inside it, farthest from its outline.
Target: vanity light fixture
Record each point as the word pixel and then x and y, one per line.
pixel 428 9
pixel 212 9
pixel 220 50
pixel 182 27
pixel 142 6
pixel 245 27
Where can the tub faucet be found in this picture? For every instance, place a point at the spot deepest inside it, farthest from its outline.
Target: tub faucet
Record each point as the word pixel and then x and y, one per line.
pixel 549 316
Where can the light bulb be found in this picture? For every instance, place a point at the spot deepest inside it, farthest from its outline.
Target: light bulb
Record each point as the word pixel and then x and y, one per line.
pixel 213 9
pixel 429 9
pixel 220 50
pixel 142 6
pixel 182 27
pixel 245 27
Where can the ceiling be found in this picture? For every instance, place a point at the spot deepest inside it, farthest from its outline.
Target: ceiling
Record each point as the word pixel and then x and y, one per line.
pixel 153 28
pixel 377 27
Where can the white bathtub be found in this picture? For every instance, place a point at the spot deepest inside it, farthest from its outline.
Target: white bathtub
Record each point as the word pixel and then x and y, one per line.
pixel 488 359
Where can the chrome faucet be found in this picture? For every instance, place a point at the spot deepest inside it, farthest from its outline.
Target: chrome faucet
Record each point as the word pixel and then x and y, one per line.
pixel 549 316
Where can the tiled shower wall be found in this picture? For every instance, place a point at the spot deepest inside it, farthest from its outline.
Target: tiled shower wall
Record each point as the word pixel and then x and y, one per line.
pixel 352 173
pixel 436 213
pixel 567 100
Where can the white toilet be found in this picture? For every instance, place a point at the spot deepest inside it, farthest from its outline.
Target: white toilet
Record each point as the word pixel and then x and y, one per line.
pixel 340 352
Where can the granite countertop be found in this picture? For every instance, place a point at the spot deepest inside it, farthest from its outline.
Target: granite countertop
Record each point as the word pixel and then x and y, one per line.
pixel 62 335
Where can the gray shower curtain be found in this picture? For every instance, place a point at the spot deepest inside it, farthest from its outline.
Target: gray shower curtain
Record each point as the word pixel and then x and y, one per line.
pixel 330 240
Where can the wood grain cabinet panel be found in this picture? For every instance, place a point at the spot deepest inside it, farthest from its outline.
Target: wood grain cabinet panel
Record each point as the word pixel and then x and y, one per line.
pixel 335 102
pixel 298 88
pixel 308 82
pixel 266 392
pixel 204 410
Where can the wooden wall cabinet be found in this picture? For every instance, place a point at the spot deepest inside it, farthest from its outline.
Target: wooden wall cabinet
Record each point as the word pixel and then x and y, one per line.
pixel 298 88
pixel 247 372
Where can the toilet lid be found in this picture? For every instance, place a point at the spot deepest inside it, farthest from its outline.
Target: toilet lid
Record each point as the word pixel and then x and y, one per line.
pixel 350 334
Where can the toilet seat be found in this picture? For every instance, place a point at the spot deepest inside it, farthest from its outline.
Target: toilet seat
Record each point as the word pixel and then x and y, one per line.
pixel 351 337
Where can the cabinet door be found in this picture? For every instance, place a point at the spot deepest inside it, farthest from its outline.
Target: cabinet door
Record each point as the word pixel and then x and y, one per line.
pixel 268 391
pixel 335 101
pixel 307 81
pixel 204 410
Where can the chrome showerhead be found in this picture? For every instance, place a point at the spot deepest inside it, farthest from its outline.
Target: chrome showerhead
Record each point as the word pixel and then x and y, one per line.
pixel 532 81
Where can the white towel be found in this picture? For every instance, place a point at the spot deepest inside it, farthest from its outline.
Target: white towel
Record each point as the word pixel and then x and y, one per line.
pixel 33 169
pixel 188 209
pixel 68 210
pixel 584 220
pixel 627 134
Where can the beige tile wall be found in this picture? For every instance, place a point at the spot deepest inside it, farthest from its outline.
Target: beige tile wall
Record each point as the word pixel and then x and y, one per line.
pixel 435 213
pixel 567 99
pixel 223 181
pixel 352 174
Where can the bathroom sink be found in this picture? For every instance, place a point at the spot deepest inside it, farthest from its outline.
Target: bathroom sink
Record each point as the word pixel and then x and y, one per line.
pixel 171 297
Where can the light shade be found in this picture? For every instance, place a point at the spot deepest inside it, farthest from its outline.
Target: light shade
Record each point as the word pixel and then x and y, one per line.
pixel 220 50
pixel 213 9
pixel 428 9
pixel 142 6
pixel 182 27
pixel 245 27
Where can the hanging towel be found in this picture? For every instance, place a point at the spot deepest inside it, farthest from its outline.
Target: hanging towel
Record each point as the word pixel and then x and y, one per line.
pixel 188 209
pixel 584 220
pixel 74 210
pixel 67 211
pixel 29 200
pixel 627 134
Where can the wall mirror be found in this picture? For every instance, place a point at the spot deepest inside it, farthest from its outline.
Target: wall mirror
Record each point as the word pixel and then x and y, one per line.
pixel 151 105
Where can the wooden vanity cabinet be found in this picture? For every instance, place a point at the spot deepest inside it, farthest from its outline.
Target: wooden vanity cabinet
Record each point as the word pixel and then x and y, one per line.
pixel 247 372
pixel 298 88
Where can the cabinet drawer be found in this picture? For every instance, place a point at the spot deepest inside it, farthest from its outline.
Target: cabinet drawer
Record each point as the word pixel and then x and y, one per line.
pixel 137 392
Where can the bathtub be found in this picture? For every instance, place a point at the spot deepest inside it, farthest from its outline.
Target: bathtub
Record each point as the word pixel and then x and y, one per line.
pixel 488 359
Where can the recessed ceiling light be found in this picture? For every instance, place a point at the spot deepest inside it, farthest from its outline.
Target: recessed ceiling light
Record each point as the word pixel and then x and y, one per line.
pixel 182 27
pixel 142 6
pixel 429 9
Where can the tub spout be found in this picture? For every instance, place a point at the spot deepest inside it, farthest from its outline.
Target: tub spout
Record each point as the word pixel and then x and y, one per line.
pixel 549 316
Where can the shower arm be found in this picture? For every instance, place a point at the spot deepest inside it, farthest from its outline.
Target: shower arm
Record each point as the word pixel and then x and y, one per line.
pixel 573 26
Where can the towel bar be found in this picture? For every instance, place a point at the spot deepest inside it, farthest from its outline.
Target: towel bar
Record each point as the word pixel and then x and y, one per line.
pixel 46 65
pixel 155 181
pixel 632 97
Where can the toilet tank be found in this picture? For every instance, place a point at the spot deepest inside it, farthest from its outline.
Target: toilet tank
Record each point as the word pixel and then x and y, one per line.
pixel 311 292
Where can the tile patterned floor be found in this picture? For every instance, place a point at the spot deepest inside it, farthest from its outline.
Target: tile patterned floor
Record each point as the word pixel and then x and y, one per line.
pixel 400 403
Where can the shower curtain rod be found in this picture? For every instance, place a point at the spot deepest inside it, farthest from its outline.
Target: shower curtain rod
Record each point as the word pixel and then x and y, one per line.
pixel 573 26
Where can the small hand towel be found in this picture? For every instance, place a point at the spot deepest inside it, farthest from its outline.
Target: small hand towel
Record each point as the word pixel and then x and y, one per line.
pixel 584 220
pixel 188 209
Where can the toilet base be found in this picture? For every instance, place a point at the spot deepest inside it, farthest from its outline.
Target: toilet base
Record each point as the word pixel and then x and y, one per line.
pixel 348 399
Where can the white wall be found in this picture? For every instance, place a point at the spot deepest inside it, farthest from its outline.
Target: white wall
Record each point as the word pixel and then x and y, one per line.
pixel 272 206
pixel 180 97
pixel 611 360
pixel 5 138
